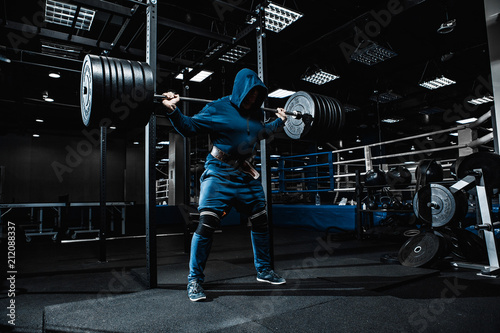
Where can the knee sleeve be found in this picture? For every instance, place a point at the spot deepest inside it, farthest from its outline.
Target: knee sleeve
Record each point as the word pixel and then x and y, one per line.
pixel 209 221
pixel 259 221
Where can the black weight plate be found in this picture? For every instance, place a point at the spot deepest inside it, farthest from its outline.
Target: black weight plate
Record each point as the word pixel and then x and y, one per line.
pixel 338 115
pixel 320 123
pixel 487 161
pixel 128 77
pixel 317 114
pixel 452 242
pixel 462 206
pixel 420 250
pixel 341 115
pixel 467 245
pixel 330 123
pixel 326 133
pixel 144 96
pixel 108 87
pixel 120 82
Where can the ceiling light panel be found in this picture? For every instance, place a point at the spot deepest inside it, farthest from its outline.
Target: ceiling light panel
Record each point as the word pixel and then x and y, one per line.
pixel 64 14
pixel 278 17
pixel 372 54
pixel 320 77
pixel 233 55
pixel 482 100
pixel 281 93
pixel 436 83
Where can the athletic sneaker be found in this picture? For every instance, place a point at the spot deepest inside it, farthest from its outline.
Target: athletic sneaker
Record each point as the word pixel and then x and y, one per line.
pixel 270 276
pixel 195 291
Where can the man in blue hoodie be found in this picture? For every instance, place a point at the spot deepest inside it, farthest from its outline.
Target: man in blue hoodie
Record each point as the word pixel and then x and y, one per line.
pixel 235 124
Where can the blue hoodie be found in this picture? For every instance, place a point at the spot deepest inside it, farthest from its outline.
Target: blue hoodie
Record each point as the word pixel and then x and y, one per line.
pixel 231 129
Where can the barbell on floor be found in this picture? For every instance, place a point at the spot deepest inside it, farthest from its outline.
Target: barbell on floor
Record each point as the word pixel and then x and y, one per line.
pixel 122 93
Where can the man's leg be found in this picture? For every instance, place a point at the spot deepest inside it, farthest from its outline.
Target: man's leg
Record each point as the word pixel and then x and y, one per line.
pixel 261 249
pixel 200 250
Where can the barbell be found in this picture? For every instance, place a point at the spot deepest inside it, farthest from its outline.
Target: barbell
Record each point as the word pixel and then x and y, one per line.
pixel 121 92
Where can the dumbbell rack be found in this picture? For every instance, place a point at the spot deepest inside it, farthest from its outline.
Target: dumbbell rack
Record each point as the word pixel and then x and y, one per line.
pixel 476 179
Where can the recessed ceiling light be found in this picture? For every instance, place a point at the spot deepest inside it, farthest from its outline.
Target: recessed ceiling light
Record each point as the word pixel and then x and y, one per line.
pixel 39 120
pixel 54 75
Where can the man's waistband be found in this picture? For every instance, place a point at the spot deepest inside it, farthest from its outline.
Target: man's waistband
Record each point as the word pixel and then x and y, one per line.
pixel 241 163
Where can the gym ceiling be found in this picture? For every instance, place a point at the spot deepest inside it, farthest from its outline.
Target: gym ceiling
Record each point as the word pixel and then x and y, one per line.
pixel 325 37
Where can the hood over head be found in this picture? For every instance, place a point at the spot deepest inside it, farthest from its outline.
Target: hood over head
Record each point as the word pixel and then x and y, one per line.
pixel 245 81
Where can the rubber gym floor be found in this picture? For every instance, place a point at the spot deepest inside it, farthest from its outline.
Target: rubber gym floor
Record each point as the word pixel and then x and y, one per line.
pixel 335 283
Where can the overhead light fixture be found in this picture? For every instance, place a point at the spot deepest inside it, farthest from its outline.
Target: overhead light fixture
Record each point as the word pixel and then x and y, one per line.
pixel 372 54
pixel 202 75
pixel 436 83
pixel 466 121
pixel 136 142
pixel 358 140
pixel 319 77
pixel 164 142
pixel 46 97
pixel 391 120
pixel 233 55
pixel 447 26
pixel 55 75
pixel 164 160
pixel 64 14
pixel 281 93
pixel 482 100
pixel 39 120
pixel 36 135
pixel 277 17
pixel 453 134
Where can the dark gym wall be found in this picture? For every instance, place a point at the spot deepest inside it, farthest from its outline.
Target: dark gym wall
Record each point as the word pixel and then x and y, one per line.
pixel 45 168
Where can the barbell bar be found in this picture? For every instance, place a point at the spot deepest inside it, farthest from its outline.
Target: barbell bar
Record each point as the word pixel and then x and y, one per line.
pixel 296 114
pixel 121 92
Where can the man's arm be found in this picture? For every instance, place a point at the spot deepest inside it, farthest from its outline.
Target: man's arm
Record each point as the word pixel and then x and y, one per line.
pixel 186 126
pixel 278 123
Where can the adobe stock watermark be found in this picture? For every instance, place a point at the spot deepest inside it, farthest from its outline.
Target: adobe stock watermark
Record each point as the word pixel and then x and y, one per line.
pixel 118 284
pixel 322 252
pixel 371 29
pixel 221 8
pixel 421 319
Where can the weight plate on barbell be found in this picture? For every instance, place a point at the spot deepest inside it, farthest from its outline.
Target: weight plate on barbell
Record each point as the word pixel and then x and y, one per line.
pixel 434 204
pixel 300 101
pixel 420 250
pixel 92 91
pixel 336 112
